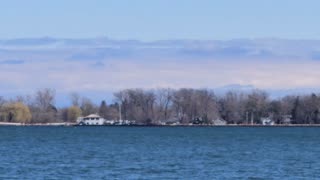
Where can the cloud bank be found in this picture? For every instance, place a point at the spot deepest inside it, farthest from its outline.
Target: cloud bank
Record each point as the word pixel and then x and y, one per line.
pixel 104 65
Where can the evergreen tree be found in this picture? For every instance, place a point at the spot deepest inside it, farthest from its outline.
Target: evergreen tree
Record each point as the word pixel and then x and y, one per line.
pixel 103 109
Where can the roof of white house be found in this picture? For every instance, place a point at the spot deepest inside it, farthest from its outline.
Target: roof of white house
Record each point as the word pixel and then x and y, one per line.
pixel 93 116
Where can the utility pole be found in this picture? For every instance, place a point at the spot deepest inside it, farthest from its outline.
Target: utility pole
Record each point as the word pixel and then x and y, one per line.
pixel 247 121
pixel 251 118
pixel 120 118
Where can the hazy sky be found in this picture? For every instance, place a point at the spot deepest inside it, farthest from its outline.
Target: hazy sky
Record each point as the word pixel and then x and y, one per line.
pixel 149 20
pixel 161 19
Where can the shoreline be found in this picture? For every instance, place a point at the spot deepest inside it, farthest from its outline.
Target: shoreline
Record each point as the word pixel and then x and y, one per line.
pixel 136 125
pixel 37 124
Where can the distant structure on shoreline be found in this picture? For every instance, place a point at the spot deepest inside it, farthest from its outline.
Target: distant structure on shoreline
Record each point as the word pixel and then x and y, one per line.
pixel 267 121
pixel 96 120
pixel 92 119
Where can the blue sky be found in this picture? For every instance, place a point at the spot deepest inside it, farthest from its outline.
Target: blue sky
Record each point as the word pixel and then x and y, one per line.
pixel 161 19
pixel 98 70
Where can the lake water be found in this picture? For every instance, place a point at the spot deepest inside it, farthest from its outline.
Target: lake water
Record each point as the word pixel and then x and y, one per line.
pixel 159 153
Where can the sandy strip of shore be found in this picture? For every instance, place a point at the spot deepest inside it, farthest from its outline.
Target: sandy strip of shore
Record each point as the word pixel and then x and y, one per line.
pixel 228 125
pixel 36 124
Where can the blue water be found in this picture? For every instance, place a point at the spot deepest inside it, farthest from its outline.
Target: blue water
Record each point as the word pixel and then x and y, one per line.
pixel 159 153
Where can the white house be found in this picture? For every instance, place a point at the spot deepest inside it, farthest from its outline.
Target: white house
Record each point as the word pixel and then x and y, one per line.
pixel 267 121
pixel 92 119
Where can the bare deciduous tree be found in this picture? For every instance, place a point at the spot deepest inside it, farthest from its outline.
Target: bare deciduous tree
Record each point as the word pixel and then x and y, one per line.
pixel 75 99
pixel 88 107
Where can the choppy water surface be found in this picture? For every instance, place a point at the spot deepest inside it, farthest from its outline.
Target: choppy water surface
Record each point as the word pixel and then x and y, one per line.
pixel 159 153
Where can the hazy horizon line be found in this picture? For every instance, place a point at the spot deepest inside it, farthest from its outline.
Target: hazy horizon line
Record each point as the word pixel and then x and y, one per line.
pixel 155 40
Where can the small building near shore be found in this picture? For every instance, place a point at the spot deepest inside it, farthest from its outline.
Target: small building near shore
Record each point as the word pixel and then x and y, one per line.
pixel 219 122
pixel 267 121
pixel 286 119
pixel 92 119
pixel 198 121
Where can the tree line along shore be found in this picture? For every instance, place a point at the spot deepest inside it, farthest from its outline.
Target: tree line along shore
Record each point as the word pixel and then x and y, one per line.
pixel 165 106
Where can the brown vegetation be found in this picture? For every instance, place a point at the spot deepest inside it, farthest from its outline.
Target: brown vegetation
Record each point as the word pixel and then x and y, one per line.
pixel 165 105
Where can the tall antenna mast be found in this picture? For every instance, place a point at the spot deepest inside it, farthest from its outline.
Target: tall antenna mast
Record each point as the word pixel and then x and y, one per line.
pixel 120 118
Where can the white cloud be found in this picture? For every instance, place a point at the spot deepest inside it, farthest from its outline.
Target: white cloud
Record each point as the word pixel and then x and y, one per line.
pixel 80 76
